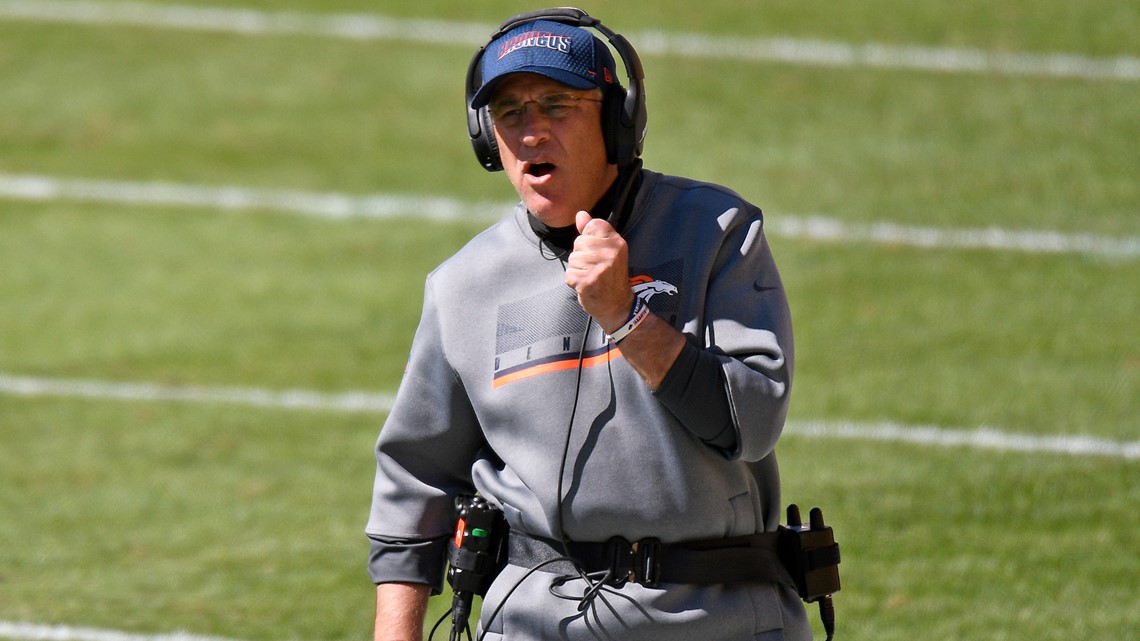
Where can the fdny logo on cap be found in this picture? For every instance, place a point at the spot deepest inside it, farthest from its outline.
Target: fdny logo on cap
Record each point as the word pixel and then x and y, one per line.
pixel 540 39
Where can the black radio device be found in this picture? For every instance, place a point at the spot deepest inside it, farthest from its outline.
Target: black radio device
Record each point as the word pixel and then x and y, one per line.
pixel 475 556
pixel 811 555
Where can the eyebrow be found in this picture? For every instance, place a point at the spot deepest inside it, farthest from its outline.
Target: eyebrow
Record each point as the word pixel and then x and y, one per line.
pixel 545 96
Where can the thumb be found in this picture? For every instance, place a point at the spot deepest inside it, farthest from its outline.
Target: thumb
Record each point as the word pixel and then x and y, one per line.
pixel 598 227
pixel 581 219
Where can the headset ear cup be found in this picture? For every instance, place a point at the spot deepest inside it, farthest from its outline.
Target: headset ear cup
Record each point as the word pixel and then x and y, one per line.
pixel 618 136
pixel 483 140
pixel 495 161
pixel 480 129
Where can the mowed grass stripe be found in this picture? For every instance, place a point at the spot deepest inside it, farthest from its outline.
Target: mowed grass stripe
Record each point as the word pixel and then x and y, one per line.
pixel 377 27
pixel 359 401
pixel 340 206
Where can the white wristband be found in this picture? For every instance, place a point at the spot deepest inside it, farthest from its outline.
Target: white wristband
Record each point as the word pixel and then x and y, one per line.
pixel 636 314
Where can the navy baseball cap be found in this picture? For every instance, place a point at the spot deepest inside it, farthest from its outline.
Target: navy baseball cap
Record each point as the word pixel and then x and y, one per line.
pixel 564 53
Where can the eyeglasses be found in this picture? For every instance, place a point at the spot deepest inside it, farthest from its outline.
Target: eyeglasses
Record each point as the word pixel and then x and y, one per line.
pixel 555 106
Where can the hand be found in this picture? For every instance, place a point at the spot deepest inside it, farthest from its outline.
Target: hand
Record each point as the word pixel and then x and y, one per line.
pixel 598 270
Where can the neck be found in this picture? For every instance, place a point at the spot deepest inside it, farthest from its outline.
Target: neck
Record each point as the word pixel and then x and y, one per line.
pixel 561 239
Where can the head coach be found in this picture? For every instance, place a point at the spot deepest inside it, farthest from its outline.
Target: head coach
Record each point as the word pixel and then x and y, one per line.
pixel 609 365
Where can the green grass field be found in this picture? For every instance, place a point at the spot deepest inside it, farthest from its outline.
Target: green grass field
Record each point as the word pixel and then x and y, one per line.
pixel 147 517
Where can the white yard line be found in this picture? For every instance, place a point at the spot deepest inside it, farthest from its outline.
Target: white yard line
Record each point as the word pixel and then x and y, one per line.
pixel 37 632
pixel 465 34
pixel 985 438
pixel 982 438
pixel 231 198
pixel 876 55
pixel 337 206
pixel 821 228
pixel 28 386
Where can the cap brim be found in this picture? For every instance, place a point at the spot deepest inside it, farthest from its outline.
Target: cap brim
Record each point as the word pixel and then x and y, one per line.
pixel 483 96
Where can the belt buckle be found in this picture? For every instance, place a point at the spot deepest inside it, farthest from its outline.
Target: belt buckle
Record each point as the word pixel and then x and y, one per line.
pixel 647 562
pixel 636 562
pixel 621 553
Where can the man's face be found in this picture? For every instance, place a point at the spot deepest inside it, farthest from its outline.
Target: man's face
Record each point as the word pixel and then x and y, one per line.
pixel 552 150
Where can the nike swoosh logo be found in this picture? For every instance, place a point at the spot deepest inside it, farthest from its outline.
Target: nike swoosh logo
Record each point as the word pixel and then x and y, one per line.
pixel 762 288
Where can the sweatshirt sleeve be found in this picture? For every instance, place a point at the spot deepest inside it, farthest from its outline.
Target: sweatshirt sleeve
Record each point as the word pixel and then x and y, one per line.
pixel 423 460
pixel 748 325
pixel 694 391
pixel 399 561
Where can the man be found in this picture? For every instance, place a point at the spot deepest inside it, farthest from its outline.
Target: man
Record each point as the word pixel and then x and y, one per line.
pixel 614 381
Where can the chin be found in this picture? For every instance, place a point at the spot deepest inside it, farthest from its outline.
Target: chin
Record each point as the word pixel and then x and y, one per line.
pixel 549 212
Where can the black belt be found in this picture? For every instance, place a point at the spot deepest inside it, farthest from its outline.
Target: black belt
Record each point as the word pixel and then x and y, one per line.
pixel 649 562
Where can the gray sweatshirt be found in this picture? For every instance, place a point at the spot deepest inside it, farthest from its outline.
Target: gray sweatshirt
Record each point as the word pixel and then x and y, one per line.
pixel 492 390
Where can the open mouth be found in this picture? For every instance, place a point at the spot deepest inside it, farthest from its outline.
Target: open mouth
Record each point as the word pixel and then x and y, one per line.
pixel 540 169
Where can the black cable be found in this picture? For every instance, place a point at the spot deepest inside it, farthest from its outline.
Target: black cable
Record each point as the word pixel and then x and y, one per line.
pixel 595 585
pixel 524 577
pixel 560 529
pixel 596 582
pixel 627 176
pixel 455 634
pixel 827 615
pixel 431 635
pixel 460 611
pixel 627 179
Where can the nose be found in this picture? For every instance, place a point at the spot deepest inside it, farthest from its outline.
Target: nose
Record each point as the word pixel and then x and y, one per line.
pixel 535 127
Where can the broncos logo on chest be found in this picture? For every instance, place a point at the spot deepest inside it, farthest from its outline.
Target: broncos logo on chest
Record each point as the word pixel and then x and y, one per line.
pixel 647 287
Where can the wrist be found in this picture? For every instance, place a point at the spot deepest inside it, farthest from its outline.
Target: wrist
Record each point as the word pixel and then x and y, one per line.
pixel 638 311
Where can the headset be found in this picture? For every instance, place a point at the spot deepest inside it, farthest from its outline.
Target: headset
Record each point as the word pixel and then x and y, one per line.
pixel 624 117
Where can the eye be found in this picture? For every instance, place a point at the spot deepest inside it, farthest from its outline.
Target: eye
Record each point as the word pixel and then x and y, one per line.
pixel 556 109
pixel 556 106
pixel 508 112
